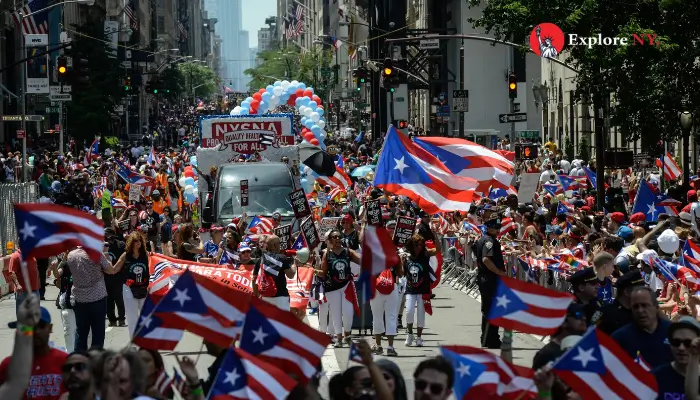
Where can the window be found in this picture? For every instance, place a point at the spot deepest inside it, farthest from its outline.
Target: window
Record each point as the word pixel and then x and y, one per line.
pixel 161 24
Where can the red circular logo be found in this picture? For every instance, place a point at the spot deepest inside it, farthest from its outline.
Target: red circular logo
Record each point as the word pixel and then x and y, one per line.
pixel 547 40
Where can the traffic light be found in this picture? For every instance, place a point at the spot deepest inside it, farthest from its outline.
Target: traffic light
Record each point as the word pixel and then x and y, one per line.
pixel 526 152
pixel 402 124
pixel 127 84
pixel 362 75
pixel 512 86
pixel 62 68
pixel 389 76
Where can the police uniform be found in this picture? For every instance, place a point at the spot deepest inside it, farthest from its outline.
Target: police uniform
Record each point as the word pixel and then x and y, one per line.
pixel 592 308
pixel 488 246
pixel 614 316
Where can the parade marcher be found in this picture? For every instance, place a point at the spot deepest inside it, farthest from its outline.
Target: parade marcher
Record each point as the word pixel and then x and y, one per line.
pixel 671 377
pixel 134 263
pixel 574 324
pixel 416 264
pixel 77 377
pixel 490 263
pixel 385 308
pixel 433 379
pixel 22 288
pixel 618 314
pixel 585 284
pixel 114 283
pixel 273 268
pixel 190 245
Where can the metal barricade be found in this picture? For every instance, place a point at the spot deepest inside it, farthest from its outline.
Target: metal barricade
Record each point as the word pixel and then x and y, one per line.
pixel 11 193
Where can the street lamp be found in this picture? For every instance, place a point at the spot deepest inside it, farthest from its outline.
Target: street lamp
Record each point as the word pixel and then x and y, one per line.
pixel 686 120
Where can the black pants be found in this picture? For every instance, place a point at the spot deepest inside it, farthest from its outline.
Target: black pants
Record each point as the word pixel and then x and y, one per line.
pixel 42 264
pixel 115 298
pixel 489 333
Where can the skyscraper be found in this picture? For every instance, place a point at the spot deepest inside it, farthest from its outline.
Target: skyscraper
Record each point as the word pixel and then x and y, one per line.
pixel 234 52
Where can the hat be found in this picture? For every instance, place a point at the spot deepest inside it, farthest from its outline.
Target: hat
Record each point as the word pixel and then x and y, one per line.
pixel 685 218
pixel 686 322
pixel 625 232
pixel 638 218
pixel 45 317
pixel 668 241
pixel 494 222
pixel 617 217
pixel 646 256
pixel 632 278
pixel 243 246
pixel 583 276
pixel 216 228
pixel 575 310
pixel 155 193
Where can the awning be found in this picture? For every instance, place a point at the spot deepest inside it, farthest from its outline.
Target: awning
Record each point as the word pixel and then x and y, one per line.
pixel 6 90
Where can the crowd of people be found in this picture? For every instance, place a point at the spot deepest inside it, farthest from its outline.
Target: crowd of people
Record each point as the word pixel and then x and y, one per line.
pixel 634 275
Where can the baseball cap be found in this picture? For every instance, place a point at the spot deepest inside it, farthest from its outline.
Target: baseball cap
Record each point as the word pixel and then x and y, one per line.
pixel 243 246
pixel 156 193
pixel 647 256
pixel 625 232
pixel 617 217
pixel 45 317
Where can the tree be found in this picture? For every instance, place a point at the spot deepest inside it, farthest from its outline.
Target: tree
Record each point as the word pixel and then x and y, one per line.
pixel 584 151
pixel 568 149
pixel 197 80
pixel 92 104
pixel 290 64
pixel 649 83
pixel 173 81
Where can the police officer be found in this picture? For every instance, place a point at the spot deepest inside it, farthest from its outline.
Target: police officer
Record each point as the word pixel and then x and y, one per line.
pixel 584 284
pixel 618 314
pixel 489 260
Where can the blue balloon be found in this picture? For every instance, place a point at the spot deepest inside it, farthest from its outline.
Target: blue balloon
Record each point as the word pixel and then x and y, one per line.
pixel 303 120
pixel 244 110
pixel 298 102
pixel 320 112
pixel 190 198
pixel 269 88
pixel 309 123
pixel 315 129
pixel 189 181
pixel 277 83
pixel 266 97
pixel 307 185
pixel 305 101
pixel 302 85
pixel 313 105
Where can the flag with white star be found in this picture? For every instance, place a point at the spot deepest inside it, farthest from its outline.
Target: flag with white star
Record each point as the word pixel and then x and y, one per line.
pixel 527 307
pixel 647 203
pixel 598 368
pixel 150 332
pixel 243 376
pixel 354 354
pixel 406 169
pixel 280 338
pixel 47 230
pixel 480 374
pixel 300 242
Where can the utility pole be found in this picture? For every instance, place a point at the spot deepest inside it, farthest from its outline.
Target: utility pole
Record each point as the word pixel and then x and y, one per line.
pixel 60 126
pixel 23 106
pixel 463 86
pixel 512 98
pixel 600 151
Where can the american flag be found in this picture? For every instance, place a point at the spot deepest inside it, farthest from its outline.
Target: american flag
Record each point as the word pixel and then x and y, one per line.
pixel 295 22
pixel 131 14
pixel 339 179
pixel 671 170
pixel 34 24
pixel 182 29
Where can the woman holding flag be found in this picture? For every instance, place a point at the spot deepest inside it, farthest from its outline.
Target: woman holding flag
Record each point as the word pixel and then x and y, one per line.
pixel 134 261
pixel 416 264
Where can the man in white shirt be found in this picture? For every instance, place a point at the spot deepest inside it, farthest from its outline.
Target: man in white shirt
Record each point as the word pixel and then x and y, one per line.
pixel 547 173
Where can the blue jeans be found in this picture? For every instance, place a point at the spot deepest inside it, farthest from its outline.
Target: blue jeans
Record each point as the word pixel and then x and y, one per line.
pixel 19 298
pixel 90 317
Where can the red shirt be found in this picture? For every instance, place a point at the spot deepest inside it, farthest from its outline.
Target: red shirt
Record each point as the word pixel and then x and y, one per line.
pixel 16 267
pixel 46 382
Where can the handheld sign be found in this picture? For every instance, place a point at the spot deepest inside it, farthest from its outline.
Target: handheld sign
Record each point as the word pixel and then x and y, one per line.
pixel 374 212
pixel 285 234
pixel 308 228
pixel 405 227
pixel 134 192
pixel 327 224
pixel 300 205
pixel 244 193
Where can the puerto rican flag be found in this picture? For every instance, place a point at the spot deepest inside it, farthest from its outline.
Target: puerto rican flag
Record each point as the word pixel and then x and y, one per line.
pixel 244 376
pixel 339 179
pixel 670 168
pixel 260 225
pixel 471 228
pixel 480 374
pixel 152 155
pixel 46 230
pixel 354 354
pixel 468 159
pixel 691 256
pixel 336 192
pixel 117 203
pixel 439 224
pixel 528 308
pixel 407 169
pixel 553 188
pixel 163 383
pixel 674 272
pixel 131 177
pixel 150 332
pixel 507 225
pixel 382 257
pixel 646 203
pixel 280 338
pixel 573 182
pixel 593 178
pixel 597 368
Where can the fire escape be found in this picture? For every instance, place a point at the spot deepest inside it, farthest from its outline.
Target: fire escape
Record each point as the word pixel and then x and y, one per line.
pixel 183 19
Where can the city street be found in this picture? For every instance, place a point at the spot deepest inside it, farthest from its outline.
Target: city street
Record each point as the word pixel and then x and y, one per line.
pixel 456 320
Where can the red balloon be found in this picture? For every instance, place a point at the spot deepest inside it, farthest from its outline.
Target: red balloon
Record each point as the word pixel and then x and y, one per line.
pixel 292 100
pixel 261 91
pixel 308 136
pixel 308 93
pixel 299 93
pixel 314 141
pixel 253 111
pixel 258 97
pixel 189 174
pixel 316 99
pixel 255 103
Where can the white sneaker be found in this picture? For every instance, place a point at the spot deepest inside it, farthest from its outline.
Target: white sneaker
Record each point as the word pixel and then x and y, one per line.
pixel 419 342
pixel 409 340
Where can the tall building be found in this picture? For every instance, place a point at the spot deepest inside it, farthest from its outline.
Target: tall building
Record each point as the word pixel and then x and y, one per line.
pixel 264 39
pixel 230 17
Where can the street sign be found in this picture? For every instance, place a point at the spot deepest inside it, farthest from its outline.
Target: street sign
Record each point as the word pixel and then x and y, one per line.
pixel 30 118
pixel 52 110
pixel 430 44
pixel 61 97
pixel 528 134
pixel 460 100
pixel 516 117
pixel 20 134
pixel 57 89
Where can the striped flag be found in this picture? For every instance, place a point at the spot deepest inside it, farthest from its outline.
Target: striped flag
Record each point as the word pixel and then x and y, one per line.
pixel 131 14
pixel 640 360
pixel 339 179
pixel 163 383
pixel 34 24
pixel 299 14
pixel 260 225
pixel 183 30
pixel 507 225
pixel 382 257
pixel 670 168
pixel 150 332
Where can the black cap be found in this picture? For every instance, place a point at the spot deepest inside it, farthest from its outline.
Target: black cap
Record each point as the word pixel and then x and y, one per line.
pixel 583 276
pixel 632 278
pixel 494 222
pixel 575 310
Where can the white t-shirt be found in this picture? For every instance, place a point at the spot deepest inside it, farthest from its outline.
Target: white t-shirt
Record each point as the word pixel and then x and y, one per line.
pixel 544 176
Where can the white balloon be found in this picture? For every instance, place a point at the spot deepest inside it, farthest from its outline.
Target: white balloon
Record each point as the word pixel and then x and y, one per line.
pixel 189 189
pixel 294 82
pixel 315 117
pixel 181 181
pixel 321 123
pixel 302 110
pixel 274 101
pixel 307 112
pixel 277 91
pixel 285 85
pixel 236 110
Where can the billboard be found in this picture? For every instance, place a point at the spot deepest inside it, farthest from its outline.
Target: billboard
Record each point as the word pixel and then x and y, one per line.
pixel 37 67
pixel 247 134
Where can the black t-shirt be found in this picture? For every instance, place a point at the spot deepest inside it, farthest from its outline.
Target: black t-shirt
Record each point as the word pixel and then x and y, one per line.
pixel 275 265
pixel 137 269
pixel 351 240
pixel 488 246
pixel 550 352
pixel 115 250
pixel 671 383
pixel 425 231
pixel 417 274
pixel 339 271
pixel 152 222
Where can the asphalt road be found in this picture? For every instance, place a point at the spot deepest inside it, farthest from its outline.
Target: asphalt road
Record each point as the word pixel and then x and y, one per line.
pixel 456 320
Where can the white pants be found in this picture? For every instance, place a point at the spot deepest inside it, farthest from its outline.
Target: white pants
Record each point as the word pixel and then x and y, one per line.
pixel 132 309
pixel 324 310
pixel 341 310
pixel 385 308
pixel 280 302
pixel 414 302
pixel 68 320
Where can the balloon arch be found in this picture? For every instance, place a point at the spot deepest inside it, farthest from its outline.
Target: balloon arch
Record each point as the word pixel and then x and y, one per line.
pixel 295 94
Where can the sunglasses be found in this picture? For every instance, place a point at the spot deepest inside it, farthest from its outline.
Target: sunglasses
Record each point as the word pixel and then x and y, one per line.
pixel 678 342
pixel 335 237
pixel 78 367
pixel 435 388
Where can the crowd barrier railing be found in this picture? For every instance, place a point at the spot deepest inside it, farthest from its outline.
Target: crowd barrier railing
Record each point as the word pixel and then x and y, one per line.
pixel 11 193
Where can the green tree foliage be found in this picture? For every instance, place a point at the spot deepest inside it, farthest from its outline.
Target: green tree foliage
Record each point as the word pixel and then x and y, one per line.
pixel 290 64
pixel 650 83
pixel 584 149
pixel 193 75
pixel 568 149
pixel 173 81
pixel 89 113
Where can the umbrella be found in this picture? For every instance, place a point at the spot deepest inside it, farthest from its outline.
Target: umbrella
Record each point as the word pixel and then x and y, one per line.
pixel 361 172
pixel 318 160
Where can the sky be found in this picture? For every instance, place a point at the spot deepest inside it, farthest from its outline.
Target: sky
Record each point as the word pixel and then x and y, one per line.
pixel 254 14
